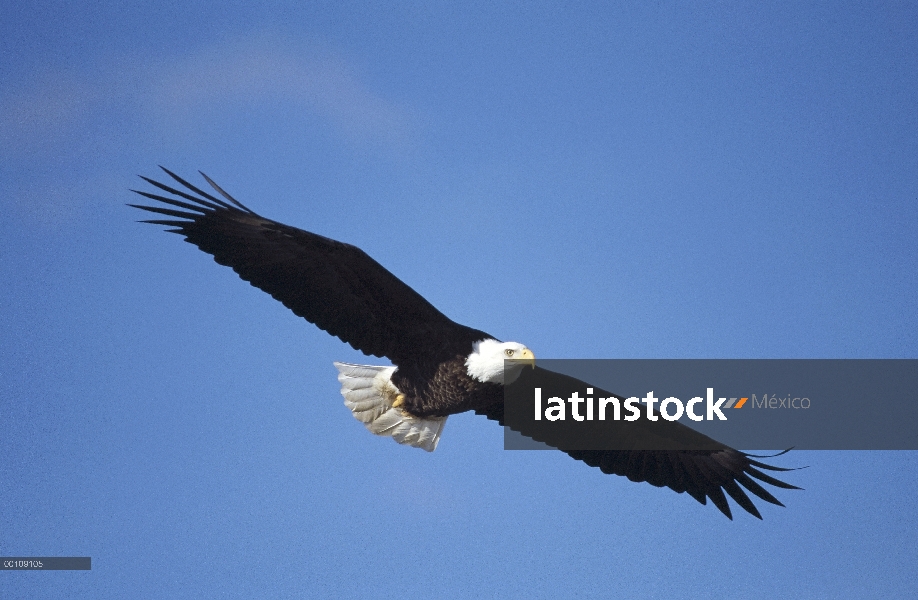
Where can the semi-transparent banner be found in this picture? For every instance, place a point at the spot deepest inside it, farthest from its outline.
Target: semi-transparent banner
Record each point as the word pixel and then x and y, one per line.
pixel 678 404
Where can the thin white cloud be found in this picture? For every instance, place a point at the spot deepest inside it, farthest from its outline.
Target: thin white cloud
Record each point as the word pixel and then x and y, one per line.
pixel 251 73
pixel 260 70
pixel 62 129
pixel 39 115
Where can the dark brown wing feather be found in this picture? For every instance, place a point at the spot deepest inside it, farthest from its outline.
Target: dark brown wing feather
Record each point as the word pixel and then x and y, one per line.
pixel 691 462
pixel 332 284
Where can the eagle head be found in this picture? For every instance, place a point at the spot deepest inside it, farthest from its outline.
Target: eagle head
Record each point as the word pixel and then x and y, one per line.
pixel 487 363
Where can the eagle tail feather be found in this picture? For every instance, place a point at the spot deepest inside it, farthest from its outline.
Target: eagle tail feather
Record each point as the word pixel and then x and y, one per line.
pixel 369 393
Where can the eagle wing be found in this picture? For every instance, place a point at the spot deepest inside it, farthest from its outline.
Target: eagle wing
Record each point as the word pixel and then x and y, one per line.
pixel 663 453
pixel 334 285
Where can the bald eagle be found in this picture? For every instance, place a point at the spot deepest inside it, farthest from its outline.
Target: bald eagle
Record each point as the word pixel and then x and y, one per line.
pixel 439 367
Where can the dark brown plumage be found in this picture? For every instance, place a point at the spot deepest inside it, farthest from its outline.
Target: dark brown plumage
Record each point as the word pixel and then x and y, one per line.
pixel 334 285
pixel 663 453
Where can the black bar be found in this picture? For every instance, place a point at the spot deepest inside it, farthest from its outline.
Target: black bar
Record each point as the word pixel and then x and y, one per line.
pixel 765 404
pixel 45 563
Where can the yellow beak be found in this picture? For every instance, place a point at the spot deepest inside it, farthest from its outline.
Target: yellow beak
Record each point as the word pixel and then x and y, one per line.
pixel 526 356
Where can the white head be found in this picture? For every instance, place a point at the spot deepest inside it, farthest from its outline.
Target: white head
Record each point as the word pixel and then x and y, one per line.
pixel 486 362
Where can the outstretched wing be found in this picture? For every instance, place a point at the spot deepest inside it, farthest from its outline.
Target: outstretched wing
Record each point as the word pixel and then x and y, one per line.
pixel 332 284
pixel 662 453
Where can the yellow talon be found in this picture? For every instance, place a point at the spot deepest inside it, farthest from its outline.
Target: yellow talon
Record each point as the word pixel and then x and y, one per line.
pixel 399 400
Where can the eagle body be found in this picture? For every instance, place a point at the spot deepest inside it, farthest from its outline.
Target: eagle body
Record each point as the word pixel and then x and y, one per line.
pixel 439 367
pixel 446 389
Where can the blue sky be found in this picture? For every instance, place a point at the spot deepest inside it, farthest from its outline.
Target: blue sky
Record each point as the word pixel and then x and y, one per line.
pixel 652 180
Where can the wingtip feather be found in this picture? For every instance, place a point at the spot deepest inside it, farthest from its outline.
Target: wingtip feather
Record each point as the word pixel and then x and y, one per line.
pixel 219 189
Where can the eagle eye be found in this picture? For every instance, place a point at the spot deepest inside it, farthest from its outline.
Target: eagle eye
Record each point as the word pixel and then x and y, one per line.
pixel 508 352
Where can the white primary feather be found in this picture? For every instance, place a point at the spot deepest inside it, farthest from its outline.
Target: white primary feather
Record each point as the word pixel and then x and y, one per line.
pixel 369 393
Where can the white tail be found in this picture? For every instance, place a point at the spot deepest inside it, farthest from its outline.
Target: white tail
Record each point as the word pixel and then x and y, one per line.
pixel 369 392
